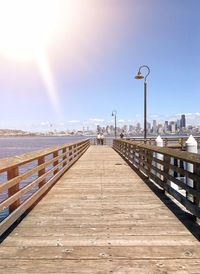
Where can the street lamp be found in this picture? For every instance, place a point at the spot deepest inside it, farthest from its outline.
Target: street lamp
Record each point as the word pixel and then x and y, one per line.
pixel 114 113
pixel 139 76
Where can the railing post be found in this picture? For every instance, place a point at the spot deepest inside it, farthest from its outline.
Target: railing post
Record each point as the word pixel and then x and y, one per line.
pixel 166 163
pixel 131 154
pixel 159 143
pixel 149 161
pixel 175 164
pixel 73 151
pixel 197 187
pixel 70 153
pixel 182 143
pixel 76 151
pixel 12 173
pixel 41 172
pixel 140 158
pixel 191 146
pixel 55 154
pixel 64 150
pixel 127 151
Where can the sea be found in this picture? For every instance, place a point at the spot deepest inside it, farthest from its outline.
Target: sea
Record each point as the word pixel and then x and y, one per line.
pixel 12 146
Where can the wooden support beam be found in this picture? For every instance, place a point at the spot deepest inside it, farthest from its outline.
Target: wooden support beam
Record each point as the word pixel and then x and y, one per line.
pixel 12 173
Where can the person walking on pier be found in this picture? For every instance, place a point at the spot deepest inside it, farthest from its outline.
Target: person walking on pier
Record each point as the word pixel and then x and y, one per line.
pixel 98 138
pixel 102 139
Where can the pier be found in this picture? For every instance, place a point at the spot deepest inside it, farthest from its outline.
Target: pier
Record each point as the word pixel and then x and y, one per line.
pixel 98 209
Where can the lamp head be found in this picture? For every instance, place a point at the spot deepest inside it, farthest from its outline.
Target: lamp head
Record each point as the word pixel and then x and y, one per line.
pixel 139 76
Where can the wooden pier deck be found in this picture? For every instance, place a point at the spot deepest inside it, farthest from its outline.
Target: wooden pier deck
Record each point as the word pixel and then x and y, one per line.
pixel 100 217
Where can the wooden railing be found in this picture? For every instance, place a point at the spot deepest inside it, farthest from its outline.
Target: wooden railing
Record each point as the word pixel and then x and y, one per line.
pixel 174 142
pixel 176 172
pixel 26 178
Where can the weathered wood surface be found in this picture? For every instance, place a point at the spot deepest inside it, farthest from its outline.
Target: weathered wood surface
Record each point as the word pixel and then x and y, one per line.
pixel 157 163
pixel 100 218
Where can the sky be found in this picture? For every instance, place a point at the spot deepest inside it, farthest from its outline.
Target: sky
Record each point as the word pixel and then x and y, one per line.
pixel 70 63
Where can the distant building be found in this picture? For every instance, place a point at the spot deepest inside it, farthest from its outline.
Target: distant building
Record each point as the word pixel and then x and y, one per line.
pixel 160 129
pixel 178 124
pixel 166 126
pixel 138 126
pixel 125 128
pixel 183 121
pixel 172 127
pixel 154 128
pixel 131 128
pixel 98 128
pixel 148 127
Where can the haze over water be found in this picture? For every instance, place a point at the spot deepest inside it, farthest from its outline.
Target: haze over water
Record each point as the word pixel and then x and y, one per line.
pixel 12 146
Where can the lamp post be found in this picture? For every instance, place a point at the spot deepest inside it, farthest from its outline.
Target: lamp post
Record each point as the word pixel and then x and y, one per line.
pixel 114 113
pixel 140 76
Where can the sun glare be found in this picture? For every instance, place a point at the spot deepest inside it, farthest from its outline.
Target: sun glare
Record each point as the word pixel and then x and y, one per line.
pixel 48 80
pixel 26 26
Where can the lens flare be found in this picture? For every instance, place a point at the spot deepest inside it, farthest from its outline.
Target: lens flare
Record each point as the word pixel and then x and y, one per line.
pixel 27 27
pixel 47 77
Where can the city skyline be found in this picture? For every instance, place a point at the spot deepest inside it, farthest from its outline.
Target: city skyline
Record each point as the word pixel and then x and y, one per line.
pixel 191 120
pixel 85 66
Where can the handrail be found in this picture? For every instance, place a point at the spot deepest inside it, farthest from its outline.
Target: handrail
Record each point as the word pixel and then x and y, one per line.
pixel 174 142
pixel 168 168
pixel 26 185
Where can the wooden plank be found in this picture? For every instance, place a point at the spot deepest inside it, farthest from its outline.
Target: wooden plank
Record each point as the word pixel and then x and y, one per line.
pixel 99 252
pixel 94 240
pixel 103 265
pixel 128 230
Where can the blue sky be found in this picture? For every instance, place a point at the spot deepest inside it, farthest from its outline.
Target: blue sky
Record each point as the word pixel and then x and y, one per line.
pixel 92 60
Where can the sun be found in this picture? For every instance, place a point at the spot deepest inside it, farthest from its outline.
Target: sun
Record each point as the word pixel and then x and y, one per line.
pixel 26 27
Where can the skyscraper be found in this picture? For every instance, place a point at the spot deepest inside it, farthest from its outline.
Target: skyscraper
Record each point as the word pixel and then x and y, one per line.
pixel 166 126
pixel 183 121
pixel 154 126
